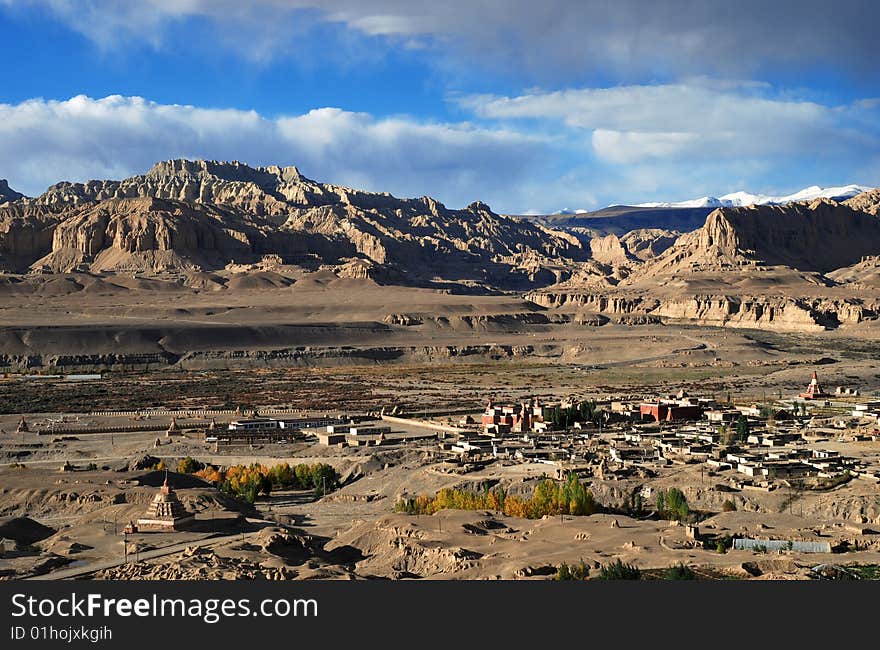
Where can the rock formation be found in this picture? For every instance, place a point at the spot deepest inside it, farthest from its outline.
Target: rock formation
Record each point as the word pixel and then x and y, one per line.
pixel 25 235
pixel 819 236
pixel 7 194
pixel 203 215
pixel 797 267
pixel 226 226
pixel 868 202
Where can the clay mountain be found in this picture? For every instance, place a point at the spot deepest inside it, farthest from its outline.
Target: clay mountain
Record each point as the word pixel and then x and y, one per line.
pixel 222 257
pixel 186 216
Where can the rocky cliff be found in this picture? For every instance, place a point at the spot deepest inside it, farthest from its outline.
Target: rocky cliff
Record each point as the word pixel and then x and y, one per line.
pixel 155 235
pixel 775 312
pixel 818 236
pixel 25 235
pixel 774 266
pixel 202 215
pixel 7 194
pixel 868 202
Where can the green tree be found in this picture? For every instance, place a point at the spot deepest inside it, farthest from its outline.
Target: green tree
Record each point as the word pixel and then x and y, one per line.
pixel 323 478
pixel 187 465
pixel 679 571
pixel 579 571
pixel 303 477
pixel 619 570
pixel 742 428
pixel 676 504
pixel 248 491
pixel 672 504
pixel 282 475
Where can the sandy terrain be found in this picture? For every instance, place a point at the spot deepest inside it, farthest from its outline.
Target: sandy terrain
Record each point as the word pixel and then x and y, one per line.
pixel 354 532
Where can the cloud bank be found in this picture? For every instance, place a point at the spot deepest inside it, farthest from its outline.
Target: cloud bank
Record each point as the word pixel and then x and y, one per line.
pixel 695 120
pixel 83 138
pixel 580 148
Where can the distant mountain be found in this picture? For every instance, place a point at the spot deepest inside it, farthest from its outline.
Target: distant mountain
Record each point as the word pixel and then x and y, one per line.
pixel 683 216
pixel 620 219
pixel 741 199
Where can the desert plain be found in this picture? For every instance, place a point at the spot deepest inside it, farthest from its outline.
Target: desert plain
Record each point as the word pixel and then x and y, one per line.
pixel 145 324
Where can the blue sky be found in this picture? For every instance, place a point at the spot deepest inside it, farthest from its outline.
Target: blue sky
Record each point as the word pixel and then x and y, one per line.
pixel 531 107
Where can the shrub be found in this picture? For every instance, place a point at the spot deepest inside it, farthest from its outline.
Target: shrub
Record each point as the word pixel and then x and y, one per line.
pixel 188 465
pixel 679 571
pixel 579 571
pixel 728 506
pixel 619 570
pixel 210 474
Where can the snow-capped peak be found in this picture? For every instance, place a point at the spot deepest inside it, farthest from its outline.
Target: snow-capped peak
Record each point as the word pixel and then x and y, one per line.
pixel 738 199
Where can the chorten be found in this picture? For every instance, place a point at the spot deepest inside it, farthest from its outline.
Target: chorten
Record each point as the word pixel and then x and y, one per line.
pixel 173 429
pixel 166 513
pixel 814 390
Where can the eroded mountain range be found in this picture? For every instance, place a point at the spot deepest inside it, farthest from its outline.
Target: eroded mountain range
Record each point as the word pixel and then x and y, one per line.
pixel 801 266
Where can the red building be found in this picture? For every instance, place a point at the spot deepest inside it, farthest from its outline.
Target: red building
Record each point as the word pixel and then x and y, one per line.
pixel 668 411
pixel 515 417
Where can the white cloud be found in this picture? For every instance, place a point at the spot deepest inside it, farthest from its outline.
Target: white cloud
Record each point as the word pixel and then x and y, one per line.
pixel 536 153
pixel 632 146
pixel 693 119
pixel 44 141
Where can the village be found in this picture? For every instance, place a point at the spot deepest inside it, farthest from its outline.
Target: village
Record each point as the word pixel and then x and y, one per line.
pixel 723 454
pixel 760 446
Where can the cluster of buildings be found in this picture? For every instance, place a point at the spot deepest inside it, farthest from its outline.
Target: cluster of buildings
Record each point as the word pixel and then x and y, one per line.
pixel 750 446
pixel 512 418
pixel 353 435
pixel 260 431
pixel 760 443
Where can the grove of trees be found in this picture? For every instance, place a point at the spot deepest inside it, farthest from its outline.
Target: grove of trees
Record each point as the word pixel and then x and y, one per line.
pixel 568 497
pixel 249 481
pixel 586 411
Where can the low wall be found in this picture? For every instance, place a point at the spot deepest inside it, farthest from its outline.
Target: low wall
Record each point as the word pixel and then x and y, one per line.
pixel 772 545
pixel 425 424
